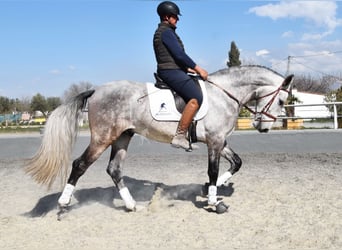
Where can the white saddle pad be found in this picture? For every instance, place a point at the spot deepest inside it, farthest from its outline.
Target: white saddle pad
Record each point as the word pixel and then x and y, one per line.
pixel 163 107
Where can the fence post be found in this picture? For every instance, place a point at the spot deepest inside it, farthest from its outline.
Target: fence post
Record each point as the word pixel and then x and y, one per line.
pixel 335 117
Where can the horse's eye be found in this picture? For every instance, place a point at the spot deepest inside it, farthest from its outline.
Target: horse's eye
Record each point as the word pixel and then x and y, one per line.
pixel 281 102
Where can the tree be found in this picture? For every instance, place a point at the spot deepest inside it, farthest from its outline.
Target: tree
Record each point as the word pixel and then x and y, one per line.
pixel 76 89
pixel 307 83
pixel 234 60
pixel 53 103
pixel 39 103
pixel 24 104
pixel 233 55
pixel 5 105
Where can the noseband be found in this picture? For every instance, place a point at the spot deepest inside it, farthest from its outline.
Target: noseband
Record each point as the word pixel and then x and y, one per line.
pixel 264 110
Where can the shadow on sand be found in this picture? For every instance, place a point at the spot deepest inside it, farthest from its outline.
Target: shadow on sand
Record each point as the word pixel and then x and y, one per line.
pixel 141 190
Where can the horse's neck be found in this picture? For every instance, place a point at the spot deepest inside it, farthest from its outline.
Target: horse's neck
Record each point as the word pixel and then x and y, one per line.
pixel 244 92
pixel 244 83
pixel 238 88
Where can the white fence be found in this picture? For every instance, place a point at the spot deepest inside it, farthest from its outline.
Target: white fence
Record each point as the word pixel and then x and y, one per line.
pixel 312 113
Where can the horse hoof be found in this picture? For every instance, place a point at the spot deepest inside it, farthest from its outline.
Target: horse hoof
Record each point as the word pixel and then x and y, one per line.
pixel 133 209
pixel 62 210
pixel 221 207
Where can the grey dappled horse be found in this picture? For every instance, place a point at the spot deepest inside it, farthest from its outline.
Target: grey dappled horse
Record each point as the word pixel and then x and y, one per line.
pixel 120 109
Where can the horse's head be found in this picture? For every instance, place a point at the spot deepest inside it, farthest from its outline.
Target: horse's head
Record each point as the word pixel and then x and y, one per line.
pixel 269 104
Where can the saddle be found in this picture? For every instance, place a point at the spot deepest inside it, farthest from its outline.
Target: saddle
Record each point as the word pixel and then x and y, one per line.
pixel 180 103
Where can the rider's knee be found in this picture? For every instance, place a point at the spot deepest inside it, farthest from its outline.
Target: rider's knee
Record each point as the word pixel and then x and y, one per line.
pixel 199 99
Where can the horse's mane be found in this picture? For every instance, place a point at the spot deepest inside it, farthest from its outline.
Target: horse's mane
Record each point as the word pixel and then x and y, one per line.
pixel 239 68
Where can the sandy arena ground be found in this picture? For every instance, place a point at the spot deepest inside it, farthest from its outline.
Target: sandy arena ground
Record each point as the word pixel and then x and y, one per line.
pixel 277 201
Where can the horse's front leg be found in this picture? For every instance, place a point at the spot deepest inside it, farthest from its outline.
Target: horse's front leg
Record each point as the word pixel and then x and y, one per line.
pixel 235 164
pixel 213 170
pixel 114 169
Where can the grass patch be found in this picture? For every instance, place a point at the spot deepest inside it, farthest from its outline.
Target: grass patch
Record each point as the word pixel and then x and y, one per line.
pixel 20 129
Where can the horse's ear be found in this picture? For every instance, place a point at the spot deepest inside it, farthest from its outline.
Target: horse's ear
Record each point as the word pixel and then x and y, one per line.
pixel 287 82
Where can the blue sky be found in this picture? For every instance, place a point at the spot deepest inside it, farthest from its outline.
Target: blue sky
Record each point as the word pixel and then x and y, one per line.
pixel 47 45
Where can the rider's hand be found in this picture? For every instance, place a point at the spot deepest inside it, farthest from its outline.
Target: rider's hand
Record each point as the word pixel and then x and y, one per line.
pixel 202 72
pixel 192 71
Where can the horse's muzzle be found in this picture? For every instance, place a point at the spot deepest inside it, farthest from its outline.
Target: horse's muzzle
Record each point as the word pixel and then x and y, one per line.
pixel 257 124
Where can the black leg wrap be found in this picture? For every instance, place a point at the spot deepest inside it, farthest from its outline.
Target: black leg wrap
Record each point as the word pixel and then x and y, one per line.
pixel 237 164
pixel 192 135
pixel 192 132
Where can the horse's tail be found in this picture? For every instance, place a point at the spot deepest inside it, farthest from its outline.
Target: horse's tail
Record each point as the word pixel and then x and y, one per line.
pixel 60 132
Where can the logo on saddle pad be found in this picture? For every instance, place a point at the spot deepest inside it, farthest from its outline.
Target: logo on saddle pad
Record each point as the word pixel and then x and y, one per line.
pixel 163 109
pixel 163 105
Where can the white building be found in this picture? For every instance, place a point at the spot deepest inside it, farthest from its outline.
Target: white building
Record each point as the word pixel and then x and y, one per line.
pixel 310 112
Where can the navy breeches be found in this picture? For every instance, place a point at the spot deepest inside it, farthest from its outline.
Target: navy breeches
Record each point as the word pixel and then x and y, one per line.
pixel 182 83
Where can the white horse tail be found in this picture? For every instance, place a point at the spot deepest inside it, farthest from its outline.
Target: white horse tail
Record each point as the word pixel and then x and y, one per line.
pixel 60 132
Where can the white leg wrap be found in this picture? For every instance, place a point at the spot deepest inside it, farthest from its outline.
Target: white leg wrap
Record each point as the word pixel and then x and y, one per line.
pixel 66 195
pixel 127 198
pixel 223 178
pixel 212 195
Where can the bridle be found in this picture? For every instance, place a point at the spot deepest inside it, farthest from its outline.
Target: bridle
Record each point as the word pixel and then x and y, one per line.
pixel 264 111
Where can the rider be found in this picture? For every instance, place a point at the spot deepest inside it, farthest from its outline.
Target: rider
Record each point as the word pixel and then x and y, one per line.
pixel 173 66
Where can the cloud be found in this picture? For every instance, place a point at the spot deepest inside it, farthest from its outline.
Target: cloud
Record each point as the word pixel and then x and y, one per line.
pixel 262 52
pixel 313 36
pixel 287 34
pixel 71 67
pixel 320 13
pixel 55 72
pixel 59 72
pixel 315 48
pixel 316 58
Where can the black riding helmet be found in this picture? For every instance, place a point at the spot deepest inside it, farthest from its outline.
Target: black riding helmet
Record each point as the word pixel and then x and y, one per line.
pixel 167 8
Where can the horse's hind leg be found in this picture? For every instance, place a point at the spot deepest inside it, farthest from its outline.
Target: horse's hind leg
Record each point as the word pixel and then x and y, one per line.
pixel 114 169
pixel 79 167
pixel 235 164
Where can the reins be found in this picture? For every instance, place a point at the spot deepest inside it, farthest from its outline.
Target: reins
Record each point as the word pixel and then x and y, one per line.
pixel 264 110
pixel 226 92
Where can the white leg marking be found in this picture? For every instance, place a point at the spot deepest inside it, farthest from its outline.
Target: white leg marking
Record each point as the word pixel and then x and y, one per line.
pixel 223 178
pixel 127 198
pixel 212 195
pixel 65 198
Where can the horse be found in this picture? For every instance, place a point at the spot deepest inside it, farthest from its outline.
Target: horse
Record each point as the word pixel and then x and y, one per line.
pixel 120 109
